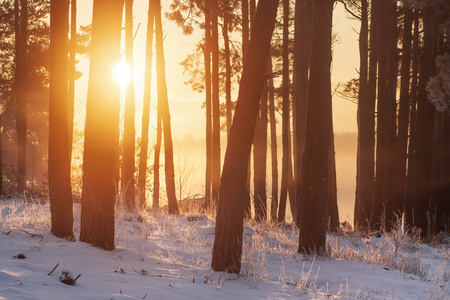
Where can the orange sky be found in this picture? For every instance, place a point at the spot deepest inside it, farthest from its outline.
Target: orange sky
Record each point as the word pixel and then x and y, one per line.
pixel 187 116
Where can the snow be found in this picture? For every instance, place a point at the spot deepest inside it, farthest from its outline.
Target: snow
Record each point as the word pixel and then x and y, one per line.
pixel 169 257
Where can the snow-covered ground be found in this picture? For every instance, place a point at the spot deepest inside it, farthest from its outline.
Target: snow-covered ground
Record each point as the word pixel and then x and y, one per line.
pixel 169 257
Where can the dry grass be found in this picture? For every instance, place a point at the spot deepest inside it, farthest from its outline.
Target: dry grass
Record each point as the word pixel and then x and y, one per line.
pixel 264 242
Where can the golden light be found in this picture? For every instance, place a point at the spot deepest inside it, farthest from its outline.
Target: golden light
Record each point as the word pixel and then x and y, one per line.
pixel 122 73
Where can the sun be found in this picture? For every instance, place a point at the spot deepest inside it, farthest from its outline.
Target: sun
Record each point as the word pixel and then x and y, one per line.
pixel 122 73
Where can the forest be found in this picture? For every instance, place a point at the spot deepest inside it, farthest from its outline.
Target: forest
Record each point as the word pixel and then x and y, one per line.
pixel 259 65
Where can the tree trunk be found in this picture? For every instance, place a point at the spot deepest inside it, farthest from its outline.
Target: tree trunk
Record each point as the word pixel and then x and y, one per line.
pixel 313 207
pixel 226 40
pixel 100 149
pixel 366 109
pixel 408 205
pixel 333 211
pixel 403 113
pixel 260 159
pixel 245 29
pixel 215 105
pixel 163 107
pixel 21 90
pixel 422 181
pixel 227 249
pixel 208 100
pixel 156 161
pixel 386 121
pixel 285 116
pixel 207 58
pixel 245 40
pixel 72 72
pixel 273 146
pixel 441 173
pixel 58 145
pixel 128 169
pixel 368 150
pixel 142 180
pixel 302 56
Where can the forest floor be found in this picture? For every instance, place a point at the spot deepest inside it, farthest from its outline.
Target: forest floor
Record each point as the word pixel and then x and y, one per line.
pixel 168 257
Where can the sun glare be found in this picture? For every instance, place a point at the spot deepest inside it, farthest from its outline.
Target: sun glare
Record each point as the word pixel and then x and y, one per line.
pixel 122 73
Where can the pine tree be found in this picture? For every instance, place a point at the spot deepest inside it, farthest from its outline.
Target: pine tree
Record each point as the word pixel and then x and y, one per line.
pixel 101 143
pixel 163 108
pixel 313 218
pixel 227 249
pixel 142 177
pixel 127 180
pixel 58 146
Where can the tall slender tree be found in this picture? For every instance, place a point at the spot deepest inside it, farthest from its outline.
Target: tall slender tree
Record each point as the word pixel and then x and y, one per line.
pixel 313 216
pixel 127 180
pixel 383 210
pixel 142 177
pixel 208 100
pixel 163 107
pixel 72 71
pixel 364 177
pixel 58 145
pixel 227 249
pixel 273 147
pixel 332 205
pixel 285 128
pixel 408 204
pixel 226 41
pixel 215 103
pixel 422 181
pixel 156 160
pixel 260 158
pixel 21 38
pixel 245 41
pixel 404 106
pixel 100 147
pixel 302 56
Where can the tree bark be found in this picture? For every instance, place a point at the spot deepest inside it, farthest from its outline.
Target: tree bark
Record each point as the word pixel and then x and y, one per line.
pixel 100 147
pixel 142 179
pixel 21 14
pixel 245 40
pixel 260 159
pixel 385 185
pixel 441 173
pixel 72 72
pixel 333 211
pixel 408 205
pixel 368 152
pixel 215 105
pixel 403 112
pixel 156 161
pixel 226 40
pixel 163 106
pixel 227 249
pixel 58 145
pixel 273 147
pixel 313 207
pixel 302 56
pixel 285 131
pixel 208 100
pixel 364 156
pixel 422 181
pixel 127 180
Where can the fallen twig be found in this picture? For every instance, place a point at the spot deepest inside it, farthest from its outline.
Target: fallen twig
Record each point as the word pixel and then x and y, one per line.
pixel 53 269
pixel 24 231
pixel 20 282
